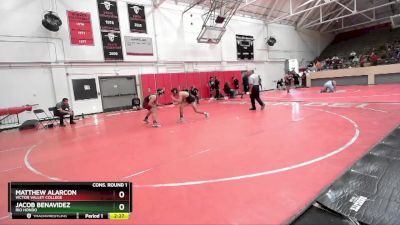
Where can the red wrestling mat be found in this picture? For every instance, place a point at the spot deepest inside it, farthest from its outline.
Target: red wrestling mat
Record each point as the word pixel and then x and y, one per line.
pixel 375 93
pixel 237 167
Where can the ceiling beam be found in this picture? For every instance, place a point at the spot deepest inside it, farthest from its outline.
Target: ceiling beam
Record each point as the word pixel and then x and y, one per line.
pixel 304 4
pixel 299 12
pixel 326 15
pixel 272 9
pixel 326 26
pixel 380 20
pixel 193 4
pixel 159 3
pixel 347 15
pixel 328 11
pixel 347 8
pixel 305 16
pixel 246 3
pixel 354 10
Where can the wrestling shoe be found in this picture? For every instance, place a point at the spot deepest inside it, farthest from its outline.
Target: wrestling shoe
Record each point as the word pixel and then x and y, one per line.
pixel 156 125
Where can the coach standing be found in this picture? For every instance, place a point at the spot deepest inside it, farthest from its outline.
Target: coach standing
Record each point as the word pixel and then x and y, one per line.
pixel 254 86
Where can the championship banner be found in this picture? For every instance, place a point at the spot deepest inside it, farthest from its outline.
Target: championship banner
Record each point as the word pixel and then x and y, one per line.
pixel 137 18
pixel 112 46
pixel 80 28
pixel 139 46
pixel 245 47
pixel 108 15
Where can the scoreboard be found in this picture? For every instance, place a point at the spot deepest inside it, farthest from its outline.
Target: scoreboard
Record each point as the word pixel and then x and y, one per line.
pixel 70 200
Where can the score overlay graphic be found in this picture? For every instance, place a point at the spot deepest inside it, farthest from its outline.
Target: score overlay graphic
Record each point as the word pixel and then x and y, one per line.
pixel 70 200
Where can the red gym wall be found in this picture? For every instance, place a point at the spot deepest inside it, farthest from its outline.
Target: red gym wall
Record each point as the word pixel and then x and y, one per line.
pixel 150 82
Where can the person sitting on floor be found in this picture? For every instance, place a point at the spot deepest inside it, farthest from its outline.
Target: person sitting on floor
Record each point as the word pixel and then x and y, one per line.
pixel 329 86
pixel 228 91
pixel 62 109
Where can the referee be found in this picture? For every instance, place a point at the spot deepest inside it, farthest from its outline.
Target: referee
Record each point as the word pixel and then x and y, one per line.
pixel 255 90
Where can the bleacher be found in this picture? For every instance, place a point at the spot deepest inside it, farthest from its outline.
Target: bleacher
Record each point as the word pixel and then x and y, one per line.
pixel 381 40
pixel 375 40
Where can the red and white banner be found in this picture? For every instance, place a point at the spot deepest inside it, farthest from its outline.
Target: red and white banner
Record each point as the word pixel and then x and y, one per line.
pixel 80 28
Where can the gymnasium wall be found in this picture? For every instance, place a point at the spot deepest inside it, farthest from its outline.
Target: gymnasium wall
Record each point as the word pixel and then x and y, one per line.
pixel 37 66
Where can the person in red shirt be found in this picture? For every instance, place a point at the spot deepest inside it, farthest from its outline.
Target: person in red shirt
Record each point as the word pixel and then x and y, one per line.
pixel 374 59
pixel 318 65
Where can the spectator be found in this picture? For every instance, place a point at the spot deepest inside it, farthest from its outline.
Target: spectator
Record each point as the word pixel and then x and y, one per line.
pixel 304 79
pixel 296 79
pixel 328 63
pixel 335 62
pixel 318 66
pixel 279 84
pixel 374 58
pixel 211 84
pixel 217 92
pixel 363 60
pixel 288 81
pixel 246 84
pixel 228 91
pixel 236 84
pixel 62 109
pixel 386 53
pixel 352 55
pixel 355 61
pixel 397 54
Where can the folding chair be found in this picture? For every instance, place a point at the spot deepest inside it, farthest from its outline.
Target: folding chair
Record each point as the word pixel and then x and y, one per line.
pixel 43 118
pixel 56 118
pixel 53 117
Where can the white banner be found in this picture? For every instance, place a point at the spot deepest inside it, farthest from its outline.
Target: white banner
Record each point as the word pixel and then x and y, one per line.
pixel 139 46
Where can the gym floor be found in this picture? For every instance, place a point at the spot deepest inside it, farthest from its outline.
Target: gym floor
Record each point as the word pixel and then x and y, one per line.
pixel 237 167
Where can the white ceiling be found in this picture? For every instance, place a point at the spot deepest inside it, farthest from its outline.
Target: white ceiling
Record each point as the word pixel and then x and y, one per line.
pixel 322 15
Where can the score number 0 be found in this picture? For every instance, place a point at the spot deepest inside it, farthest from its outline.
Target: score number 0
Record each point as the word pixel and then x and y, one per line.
pixel 121 194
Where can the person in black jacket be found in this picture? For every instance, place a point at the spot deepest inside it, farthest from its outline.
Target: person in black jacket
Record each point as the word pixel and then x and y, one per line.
pixel 236 84
pixel 279 84
pixel 245 84
pixel 228 91
pixel 296 78
pixel 304 79
pixel 217 93
pixel 211 85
